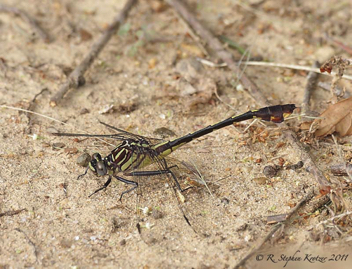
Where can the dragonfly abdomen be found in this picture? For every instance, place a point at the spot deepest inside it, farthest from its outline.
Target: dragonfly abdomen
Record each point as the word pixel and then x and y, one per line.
pixel 272 113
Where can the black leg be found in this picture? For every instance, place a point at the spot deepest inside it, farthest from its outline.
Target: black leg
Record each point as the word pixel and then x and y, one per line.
pixel 107 183
pixel 84 173
pixel 158 172
pixel 176 181
pixel 147 173
pixel 140 174
pixel 127 182
pixel 150 173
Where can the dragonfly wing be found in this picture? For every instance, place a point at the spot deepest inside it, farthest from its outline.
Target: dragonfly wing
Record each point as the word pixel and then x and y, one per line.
pixel 166 208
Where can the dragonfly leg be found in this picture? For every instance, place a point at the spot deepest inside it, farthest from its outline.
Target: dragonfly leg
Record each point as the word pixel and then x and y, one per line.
pixel 159 172
pixel 83 174
pixel 147 173
pixel 150 173
pixel 130 182
pixel 107 183
pixel 176 181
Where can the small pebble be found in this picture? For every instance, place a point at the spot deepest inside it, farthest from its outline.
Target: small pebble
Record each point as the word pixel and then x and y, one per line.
pixel 225 201
pixel 84 111
pixel 295 166
pixel 84 159
pixel 51 130
pixel 163 132
pixel 270 171
pixel 58 145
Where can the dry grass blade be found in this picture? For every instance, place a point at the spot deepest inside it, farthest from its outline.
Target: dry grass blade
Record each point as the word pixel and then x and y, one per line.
pixel 337 118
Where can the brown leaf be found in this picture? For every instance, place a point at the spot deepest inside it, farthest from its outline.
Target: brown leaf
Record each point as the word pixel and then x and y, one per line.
pixel 158 6
pixel 305 125
pixel 85 35
pixel 325 190
pixel 195 84
pixel 192 49
pixel 335 62
pixel 337 118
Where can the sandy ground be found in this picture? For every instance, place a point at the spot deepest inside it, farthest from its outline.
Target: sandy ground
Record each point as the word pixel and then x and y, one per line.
pixel 139 73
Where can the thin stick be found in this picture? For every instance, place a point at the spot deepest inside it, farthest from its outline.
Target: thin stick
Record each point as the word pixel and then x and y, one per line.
pixel 254 91
pixel 340 155
pixel 32 22
pixel 217 46
pixel 343 169
pixel 194 36
pixel 12 212
pixel 30 242
pixel 76 78
pixel 333 218
pixel 311 82
pixel 31 108
pixel 308 197
pixel 295 67
pixel 281 65
pixel 32 112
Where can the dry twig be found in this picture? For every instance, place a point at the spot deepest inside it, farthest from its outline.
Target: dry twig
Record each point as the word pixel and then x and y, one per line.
pixel 217 46
pixel 12 212
pixel 31 108
pixel 275 229
pixel 32 22
pixel 76 78
pixel 340 155
pixel 333 218
pixel 30 242
pixel 343 169
pixel 272 64
pixel 227 57
pixel 311 81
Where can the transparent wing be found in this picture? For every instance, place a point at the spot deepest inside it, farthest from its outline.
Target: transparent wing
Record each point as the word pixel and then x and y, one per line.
pixel 120 135
pixel 164 208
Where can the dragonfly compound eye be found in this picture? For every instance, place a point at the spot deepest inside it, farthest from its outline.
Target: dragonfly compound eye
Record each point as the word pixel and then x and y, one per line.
pixel 97 165
pixel 97 157
pixel 101 168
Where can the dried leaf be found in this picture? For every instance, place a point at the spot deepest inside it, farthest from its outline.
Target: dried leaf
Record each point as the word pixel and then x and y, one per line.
pixel 335 62
pixel 305 125
pixel 194 84
pixel 158 6
pixel 85 35
pixel 325 190
pixel 206 87
pixel 192 49
pixel 337 118
pixel 190 69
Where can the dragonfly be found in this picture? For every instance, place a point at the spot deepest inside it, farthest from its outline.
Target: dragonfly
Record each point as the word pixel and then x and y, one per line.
pixel 136 152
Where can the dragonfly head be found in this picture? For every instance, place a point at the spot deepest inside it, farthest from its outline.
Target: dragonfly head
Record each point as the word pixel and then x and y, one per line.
pixel 97 165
